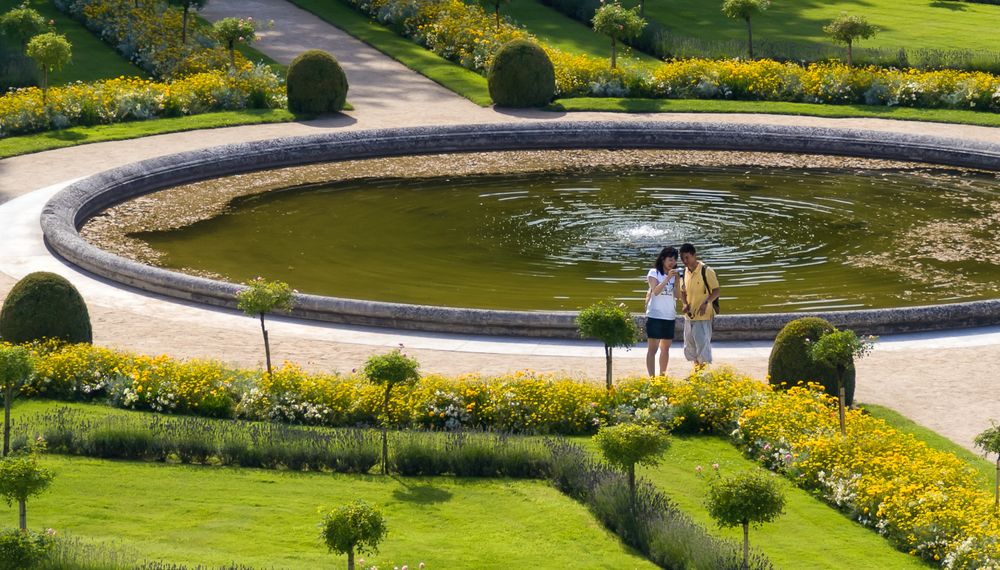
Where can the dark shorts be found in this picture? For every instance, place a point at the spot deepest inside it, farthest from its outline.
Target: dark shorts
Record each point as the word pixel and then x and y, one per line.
pixel 659 328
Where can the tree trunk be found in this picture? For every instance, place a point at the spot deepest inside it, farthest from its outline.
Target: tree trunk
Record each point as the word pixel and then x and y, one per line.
pixel 232 55
pixel 642 8
pixel 22 514
pixel 613 59
pixel 496 11
pixel 385 431
pixel 267 346
pixel 996 487
pixel 850 56
pixel 841 401
pixel 749 38
pixel 631 484
pixel 350 559
pixel 184 25
pixel 607 372
pixel 746 545
pixel 45 83
pixel 8 399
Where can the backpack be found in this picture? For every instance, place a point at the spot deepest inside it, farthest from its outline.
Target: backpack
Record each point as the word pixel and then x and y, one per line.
pixel 704 281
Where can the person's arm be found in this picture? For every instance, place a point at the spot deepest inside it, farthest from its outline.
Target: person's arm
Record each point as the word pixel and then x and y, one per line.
pixel 713 283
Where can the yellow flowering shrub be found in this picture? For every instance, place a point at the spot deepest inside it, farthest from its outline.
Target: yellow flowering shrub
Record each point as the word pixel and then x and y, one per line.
pixel 132 98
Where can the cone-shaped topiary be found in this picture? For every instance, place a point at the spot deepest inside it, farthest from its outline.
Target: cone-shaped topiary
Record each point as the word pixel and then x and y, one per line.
pixel 44 305
pixel 316 83
pixel 790 362
pixel 521 75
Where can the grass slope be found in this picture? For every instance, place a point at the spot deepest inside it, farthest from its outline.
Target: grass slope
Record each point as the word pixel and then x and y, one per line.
pixel 92 58
pixel 466 83
pixel 24 144
pixel 268 519
pixel 938 24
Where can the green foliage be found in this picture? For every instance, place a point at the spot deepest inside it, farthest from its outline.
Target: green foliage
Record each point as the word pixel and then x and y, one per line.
pixel 262 296
pixel 230 31
pixel 839 349
pixel 44 305
pixel 15 366
pixel 22 478
pixel 392 369
pixel 356 527
pixel 21 24
pixel 316 84
pixel 989 440
pixel 744 9
pixel 20 550
pixel 791 360
pixel 625 445
pixel 608 322
pixel 745 498
pixel 51 51
pixel 618 23
pixel 846 29
pixel 521 75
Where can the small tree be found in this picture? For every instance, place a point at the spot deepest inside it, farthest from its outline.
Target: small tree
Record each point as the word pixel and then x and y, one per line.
pixel 51 51
pixel 21 478
pixel 230 31
pixel 15 368
pixel 21 24
pixel 390 370
pixel 989 442
pixel 846 29
pixel 625 445
pixel 495 5
pixel 839 349
pixel 618 23
pixel 186 7
pixel 357 527
pixel 262 296
pixel 611 324
pixel 745 10
pixel 744 499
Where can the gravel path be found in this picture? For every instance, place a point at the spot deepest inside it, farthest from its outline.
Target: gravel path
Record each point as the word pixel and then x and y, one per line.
pixel 947 382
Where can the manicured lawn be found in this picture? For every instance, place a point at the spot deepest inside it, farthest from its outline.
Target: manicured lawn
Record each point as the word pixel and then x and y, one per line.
pixel 621 105
pixel 92 58
pixel 268 519
pixel 563 32
pixel 937 24
pixel 24 144
pixel 452 76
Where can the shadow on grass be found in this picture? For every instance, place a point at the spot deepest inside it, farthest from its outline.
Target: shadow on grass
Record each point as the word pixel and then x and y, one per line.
pixel 420 494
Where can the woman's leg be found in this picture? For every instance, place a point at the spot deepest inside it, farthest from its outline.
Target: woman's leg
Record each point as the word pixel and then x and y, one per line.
pixel 651 355
pixel 664 355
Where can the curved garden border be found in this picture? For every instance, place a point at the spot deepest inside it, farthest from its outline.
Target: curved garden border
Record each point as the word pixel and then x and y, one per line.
pixel 71 208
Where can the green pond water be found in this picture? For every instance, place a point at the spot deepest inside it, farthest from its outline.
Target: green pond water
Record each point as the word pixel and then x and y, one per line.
pixel 781 240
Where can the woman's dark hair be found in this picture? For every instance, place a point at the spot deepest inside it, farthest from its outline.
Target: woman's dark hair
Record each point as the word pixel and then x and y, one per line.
pixel 668 251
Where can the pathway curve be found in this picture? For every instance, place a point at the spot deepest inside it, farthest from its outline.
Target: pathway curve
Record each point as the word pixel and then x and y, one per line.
pixel 947 382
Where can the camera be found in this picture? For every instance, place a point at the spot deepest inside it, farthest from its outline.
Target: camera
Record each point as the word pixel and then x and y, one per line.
pixel 680 271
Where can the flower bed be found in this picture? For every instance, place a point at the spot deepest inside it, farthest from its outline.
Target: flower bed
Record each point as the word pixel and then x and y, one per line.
pixel 127 99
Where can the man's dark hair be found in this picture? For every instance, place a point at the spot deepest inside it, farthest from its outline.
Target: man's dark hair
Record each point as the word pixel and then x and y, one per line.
pixel 687 248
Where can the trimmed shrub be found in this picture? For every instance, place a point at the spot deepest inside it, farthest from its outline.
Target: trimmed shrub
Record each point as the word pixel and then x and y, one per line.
pixel 790 362
pixel 19 550
pixel 316 83
pixel 521 75
pixel 44 305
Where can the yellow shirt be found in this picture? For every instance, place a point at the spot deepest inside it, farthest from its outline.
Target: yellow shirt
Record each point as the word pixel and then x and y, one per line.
pixel 695 292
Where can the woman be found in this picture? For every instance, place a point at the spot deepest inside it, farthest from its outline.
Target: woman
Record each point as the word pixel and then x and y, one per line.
pixel 661 309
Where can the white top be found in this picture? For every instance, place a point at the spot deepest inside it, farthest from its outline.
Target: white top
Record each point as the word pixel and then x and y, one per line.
pixel 662 306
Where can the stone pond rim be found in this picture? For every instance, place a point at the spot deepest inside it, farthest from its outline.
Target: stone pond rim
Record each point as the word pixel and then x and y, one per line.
pixel 66 212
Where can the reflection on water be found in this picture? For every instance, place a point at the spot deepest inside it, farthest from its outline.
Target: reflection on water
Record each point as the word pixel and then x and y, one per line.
pixel 781 240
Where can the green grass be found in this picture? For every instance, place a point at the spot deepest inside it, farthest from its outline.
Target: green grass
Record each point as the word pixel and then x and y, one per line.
pixel 935 440
pixel 563 32
pixel 466 83
pixel 24 144
pixel 92 58
pixel 213 516
pixel 622 105
pixel 809 535
pixel 938 24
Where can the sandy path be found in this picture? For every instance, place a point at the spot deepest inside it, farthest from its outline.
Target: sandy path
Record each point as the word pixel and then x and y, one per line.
pixel 947 382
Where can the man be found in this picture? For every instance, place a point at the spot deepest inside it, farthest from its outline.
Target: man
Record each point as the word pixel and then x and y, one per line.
pixel 699 290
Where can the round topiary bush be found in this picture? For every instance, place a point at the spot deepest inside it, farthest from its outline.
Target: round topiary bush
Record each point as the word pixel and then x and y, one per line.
pixel 316 83
pixel 521 75
pixel 790 362
pixel 44 305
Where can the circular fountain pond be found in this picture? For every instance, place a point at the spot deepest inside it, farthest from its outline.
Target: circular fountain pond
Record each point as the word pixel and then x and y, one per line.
pixel 513 241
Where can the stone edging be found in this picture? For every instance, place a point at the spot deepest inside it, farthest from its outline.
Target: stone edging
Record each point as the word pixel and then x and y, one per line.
pixel 69 210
